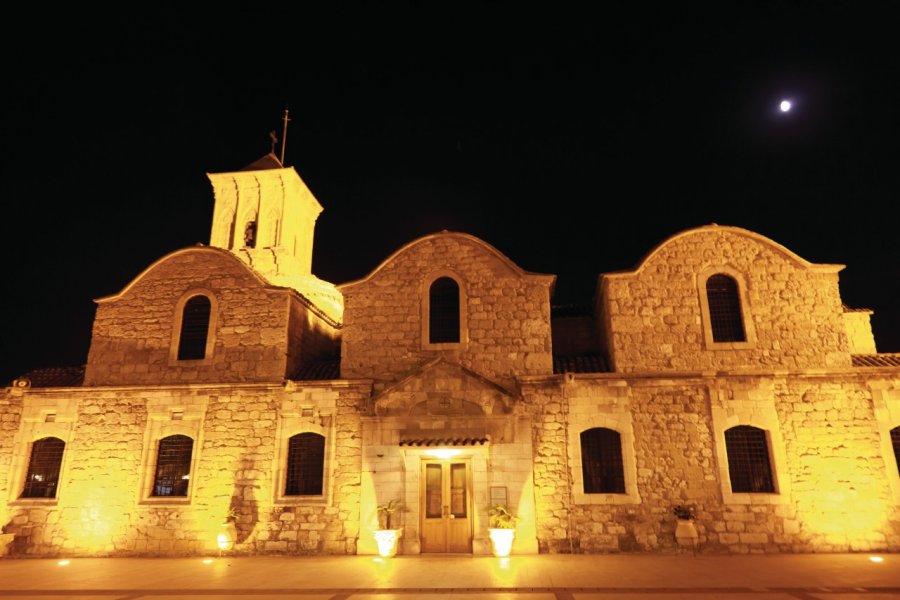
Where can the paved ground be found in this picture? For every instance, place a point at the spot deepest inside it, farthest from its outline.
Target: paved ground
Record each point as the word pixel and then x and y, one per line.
pixel 545 577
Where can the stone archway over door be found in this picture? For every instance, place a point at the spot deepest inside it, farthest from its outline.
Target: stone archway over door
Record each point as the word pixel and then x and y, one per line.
pixel 445 501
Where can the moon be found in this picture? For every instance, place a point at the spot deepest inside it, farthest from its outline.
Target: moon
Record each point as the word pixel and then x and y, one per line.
pixel 785 105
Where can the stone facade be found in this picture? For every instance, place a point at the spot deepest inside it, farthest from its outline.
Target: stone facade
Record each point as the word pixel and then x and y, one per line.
pixel 505 328
pixel 104 505
pixel 654 318
pixel 448 429
pixel 255 327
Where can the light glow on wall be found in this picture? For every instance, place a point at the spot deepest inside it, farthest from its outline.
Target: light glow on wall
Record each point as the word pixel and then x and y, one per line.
pixel 442 453
pixel 845 509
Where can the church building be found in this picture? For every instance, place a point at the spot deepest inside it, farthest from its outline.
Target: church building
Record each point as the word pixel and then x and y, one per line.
pixel 718 397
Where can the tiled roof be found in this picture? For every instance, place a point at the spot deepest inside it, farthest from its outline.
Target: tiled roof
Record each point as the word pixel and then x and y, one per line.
pixel 321 370
pixel 55 377
pixel 876 360
pixel 847 309
pixel 444 441
pixel 267 162
pixel 584 363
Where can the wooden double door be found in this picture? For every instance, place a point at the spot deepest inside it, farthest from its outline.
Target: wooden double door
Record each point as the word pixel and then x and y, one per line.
pixel 446 506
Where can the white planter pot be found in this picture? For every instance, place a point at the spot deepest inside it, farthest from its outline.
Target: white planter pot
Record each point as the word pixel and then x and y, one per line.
pixel 227 536
pixel 387 541
pixel 501 541
pixel 686 533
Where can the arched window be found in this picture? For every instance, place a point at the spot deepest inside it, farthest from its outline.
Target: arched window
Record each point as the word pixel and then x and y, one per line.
pixel 305 465
pixel 895 439
pixel 42 478
pixel 725 309
pixel 749 466
pixel 443 311
pixel 601 461
pixel 194 328
pixel 173 466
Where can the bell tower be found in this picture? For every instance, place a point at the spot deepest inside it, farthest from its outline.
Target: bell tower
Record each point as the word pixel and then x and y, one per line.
pixel 265 214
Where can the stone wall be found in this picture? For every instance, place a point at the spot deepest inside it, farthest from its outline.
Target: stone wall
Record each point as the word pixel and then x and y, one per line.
pixel 859 331
pixel 10 416
pixel 104 507
pixel 506 329
pixel 653 319
pixel 834 489
pixel 134 340
pixel 310 337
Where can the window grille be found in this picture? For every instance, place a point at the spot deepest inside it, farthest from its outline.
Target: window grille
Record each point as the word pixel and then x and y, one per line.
pixel 42 478
pixel 601 461
pixel 194 328
pixel 748 460
pixel 443 311
pixel 725 309
pixel 173 466
pixel 306 465
pixel 895 439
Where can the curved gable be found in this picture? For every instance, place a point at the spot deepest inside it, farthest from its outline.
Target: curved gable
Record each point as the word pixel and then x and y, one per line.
pixel 714 229
pixel 206 252
pixel 782 309
pixel 463 239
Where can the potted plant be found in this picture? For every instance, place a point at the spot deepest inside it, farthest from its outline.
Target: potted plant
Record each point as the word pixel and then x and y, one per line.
pixel 501 529
pixel 228 530
pixel 386 536
pixel 685 531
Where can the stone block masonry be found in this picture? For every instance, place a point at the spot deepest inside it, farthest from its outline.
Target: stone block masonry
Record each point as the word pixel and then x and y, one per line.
pixel 833 493
pixel 104 505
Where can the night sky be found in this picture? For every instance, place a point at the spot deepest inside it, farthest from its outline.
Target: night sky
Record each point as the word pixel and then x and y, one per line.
pixel 573 142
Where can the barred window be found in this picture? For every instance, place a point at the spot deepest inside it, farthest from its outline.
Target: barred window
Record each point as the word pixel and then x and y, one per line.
pixel 895 439
pixel 194 328
pixel 42 478
pixel 443 311
pixel 601 461
pixel 725 309
pixel 173 466
pixel 748 460
pixel 306 465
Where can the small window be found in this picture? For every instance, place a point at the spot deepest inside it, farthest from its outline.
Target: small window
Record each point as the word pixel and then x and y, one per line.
pixel 749 466
pixel 725 309
pixel 443 311
pixel 895 440
pixel 305 465
pixel 173 466
pixel 601 461
pixel 42 479
pixel 194 329
pixel 250 235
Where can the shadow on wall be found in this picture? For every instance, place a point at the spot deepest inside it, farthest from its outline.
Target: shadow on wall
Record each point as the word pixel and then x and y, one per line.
pixel 243 500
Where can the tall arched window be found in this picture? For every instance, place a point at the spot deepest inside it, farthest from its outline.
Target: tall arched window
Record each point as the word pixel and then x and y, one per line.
pixel 305 465
pixel 895 439
pixel 173 466
pixel 443 311
pixel 725 316
pixel 42 478
pixel 601 461
pixel 749 466
pixel 194 328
